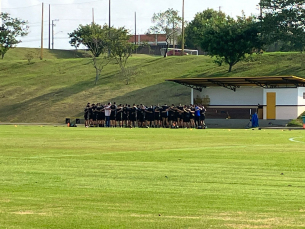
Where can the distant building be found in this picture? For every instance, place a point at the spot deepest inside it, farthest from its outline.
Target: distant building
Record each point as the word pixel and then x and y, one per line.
pixel 151 39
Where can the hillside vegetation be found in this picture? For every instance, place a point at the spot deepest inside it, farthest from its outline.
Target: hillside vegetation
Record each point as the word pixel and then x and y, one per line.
pixel 61 84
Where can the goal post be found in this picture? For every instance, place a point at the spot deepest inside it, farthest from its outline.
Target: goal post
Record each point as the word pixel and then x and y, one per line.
pixel 177 52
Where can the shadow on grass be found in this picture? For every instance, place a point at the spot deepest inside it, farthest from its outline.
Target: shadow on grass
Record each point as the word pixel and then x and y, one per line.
pixel 41 103
pixel 167 92
pixel 67 54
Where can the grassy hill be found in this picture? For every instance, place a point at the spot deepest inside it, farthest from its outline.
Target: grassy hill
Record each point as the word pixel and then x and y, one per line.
pixel 60 85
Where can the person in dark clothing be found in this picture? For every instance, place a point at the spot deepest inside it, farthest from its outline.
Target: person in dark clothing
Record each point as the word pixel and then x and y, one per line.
pixel 157 116
pixel 186 116
pixel 164 115
pixel 132 117
pixel 113 115
pixel 149 114
pixel 119 115
pixel 86 115
pixel 125 115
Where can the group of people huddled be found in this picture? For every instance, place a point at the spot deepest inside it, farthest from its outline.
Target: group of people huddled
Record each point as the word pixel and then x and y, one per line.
pixel 112 115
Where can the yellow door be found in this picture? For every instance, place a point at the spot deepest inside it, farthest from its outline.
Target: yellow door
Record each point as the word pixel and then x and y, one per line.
pixel 271 105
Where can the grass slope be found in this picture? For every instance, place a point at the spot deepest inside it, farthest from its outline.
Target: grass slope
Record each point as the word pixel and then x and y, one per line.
pixel 60 85
pixel 150 178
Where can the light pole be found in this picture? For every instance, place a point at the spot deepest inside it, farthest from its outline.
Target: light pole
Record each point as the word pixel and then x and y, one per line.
pixel 182 53
pixel 53 32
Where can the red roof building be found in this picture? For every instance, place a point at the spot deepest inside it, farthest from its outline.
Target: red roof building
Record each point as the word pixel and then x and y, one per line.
pixel 151 39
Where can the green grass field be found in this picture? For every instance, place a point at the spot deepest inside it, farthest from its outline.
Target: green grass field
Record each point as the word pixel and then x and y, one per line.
pixel 59 177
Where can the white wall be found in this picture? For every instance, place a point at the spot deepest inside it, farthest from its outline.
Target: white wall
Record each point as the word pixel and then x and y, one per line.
pixel 244 96
pixel 287 102
pixel 301 100
pixel 284 96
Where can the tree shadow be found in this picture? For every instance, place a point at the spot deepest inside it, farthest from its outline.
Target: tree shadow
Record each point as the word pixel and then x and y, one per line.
pixel 167 92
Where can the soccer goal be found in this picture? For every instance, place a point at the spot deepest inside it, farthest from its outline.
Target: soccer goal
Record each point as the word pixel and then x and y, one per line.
pixel 177 52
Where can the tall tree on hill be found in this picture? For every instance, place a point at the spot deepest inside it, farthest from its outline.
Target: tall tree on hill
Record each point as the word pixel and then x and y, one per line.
pixel 92 36
pixel 121 49
pixel 11 29
pixel 194 29
pixel 99 41
pixel 96 39
pixel 284 20
pixel 226 38
pixel 169 23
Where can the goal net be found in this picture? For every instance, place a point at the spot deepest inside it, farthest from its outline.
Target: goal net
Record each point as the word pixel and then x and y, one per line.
pixel 177 52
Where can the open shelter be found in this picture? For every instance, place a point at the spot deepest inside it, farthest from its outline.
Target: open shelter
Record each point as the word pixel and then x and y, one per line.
pixel 273 97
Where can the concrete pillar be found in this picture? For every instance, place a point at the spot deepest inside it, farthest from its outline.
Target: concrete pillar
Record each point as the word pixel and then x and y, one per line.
pixel 192 96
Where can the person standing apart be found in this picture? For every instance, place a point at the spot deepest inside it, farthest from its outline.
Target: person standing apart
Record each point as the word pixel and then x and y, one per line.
pixel 107 114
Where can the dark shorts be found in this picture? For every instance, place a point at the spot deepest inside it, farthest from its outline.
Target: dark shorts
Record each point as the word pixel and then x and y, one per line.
pixel 197 118
pixel 124 118
pixel 132 118
pixel 119 117
pixel 100 116
pixel 112 116
pixel 150 118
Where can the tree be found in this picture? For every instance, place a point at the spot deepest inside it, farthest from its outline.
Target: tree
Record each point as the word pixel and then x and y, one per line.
pixel 121 49
pixel 194 29
pixel 284 20
pixel 169 23
pixel 93 36
pixel 226 38
pixel 11 29
pixel 96 39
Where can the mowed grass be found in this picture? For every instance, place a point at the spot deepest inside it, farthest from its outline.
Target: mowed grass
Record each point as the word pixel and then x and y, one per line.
pixel 59 177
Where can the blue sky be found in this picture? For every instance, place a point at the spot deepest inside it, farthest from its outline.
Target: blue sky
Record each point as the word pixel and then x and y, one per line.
pixel 71 13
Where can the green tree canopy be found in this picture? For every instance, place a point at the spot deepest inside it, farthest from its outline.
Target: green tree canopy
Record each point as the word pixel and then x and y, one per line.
pixel 121 49
pixel 229 39
pixel 194 28
pixel 93 36
pixel 10 31
pixel 284 20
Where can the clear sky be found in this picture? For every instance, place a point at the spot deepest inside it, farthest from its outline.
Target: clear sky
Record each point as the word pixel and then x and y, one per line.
pixel 71 13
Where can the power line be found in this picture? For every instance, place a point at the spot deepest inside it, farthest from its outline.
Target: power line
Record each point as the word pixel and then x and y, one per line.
pixel 74 3
pixel 22 7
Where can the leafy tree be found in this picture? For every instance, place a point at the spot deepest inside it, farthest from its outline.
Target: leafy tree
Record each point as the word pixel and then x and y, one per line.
pixel 93 36
pixel 226 38
pixel 96 39
pixel 121 49
pixel 284 20
pixel 11 29
pixel 169 23
pixel 194 29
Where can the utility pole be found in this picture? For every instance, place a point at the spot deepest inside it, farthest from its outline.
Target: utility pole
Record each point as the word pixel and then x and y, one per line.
pixel 135 29
pixel 92 16
pixel 182 43
pixel 109 14
pixel 174 38
pixel 49 27
pixel 109 51
pixel 41 45
pixel 53 32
